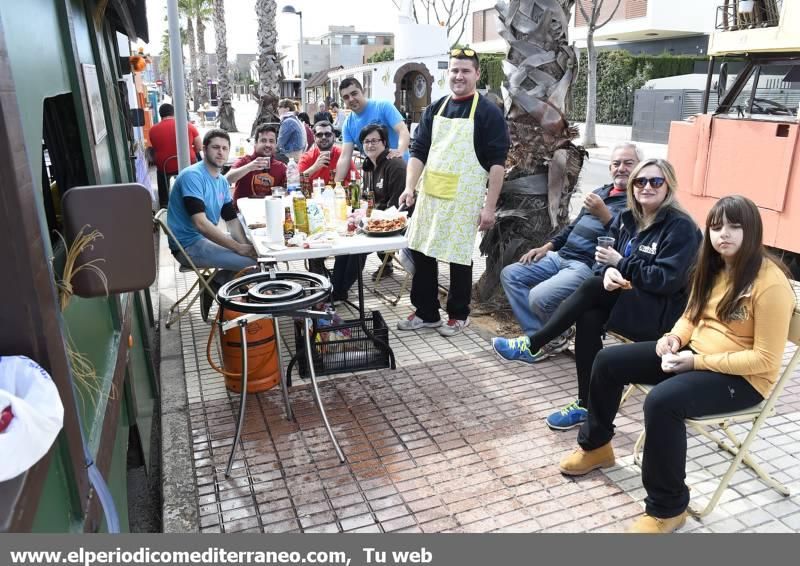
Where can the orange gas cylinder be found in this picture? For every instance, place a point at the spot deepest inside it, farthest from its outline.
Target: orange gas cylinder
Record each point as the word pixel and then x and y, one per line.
pixel 262 362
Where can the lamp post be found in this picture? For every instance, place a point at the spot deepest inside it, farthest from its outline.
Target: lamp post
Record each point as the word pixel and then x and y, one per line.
pixel 290 10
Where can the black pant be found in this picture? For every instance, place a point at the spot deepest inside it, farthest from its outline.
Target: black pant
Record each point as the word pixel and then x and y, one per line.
pixel 588 308
pixel 425 288
pixel 163 187
pixel 675 398
pixel 345 272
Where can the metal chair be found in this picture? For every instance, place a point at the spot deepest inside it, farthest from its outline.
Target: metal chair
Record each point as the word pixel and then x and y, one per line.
pixel 204 274
pixel 390 259
pixel 755 415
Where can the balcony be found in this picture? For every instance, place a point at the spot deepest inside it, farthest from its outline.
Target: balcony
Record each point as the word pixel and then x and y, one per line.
pixel 735 16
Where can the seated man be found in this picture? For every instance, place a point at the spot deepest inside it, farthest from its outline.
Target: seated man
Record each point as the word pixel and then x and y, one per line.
pixel 165 146
pixel 200 197
pixel 545 276
pixel 387 180
pixel 321 160
pixel 254 175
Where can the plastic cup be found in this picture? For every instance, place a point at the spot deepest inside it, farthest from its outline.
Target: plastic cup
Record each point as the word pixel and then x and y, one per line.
pixel 605 242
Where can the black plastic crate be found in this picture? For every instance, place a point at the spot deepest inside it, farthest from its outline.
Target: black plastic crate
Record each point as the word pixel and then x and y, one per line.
pixel 357 352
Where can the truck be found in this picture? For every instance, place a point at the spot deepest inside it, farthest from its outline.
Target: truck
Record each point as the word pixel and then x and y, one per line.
pixel 750 143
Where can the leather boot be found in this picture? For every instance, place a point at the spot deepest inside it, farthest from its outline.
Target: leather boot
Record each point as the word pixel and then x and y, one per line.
pixel 583 461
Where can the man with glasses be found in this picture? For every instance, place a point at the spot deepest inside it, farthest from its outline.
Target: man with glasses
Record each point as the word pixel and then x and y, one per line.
pixel 321 160
pixel 363 112
pixel 460 146
pixel 200 197
pixel 546 275
pixel 254 175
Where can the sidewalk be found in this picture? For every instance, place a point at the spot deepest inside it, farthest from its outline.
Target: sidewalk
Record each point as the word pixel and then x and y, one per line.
pixel 453 440
pixel 608 136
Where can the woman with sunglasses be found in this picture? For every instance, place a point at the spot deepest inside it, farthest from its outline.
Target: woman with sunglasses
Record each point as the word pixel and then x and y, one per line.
pixel 723 355
pixel 640 286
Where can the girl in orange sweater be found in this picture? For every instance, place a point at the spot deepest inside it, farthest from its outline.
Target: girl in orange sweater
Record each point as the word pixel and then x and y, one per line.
pixel 723 355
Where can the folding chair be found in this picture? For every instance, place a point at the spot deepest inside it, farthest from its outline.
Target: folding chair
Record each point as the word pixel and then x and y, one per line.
pixel 755 415
pixel 204 274
pixel 389 258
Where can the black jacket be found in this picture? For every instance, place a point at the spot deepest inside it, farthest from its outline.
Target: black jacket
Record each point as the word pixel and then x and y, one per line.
pixel 657 265
pixel 386 179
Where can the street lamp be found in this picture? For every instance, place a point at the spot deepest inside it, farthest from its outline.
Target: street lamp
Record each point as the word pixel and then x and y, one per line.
pixel 290 10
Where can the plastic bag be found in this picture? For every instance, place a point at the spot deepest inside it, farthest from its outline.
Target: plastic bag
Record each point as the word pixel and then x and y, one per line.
pixel 38 414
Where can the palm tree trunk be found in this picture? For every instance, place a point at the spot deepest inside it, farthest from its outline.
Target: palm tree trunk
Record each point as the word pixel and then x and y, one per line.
pixel 203 58
pixel 543 164
pixel 191 86
pixel 269 72
pixel 227 120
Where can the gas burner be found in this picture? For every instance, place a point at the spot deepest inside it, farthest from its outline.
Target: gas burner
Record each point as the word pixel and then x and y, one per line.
pixel 274 293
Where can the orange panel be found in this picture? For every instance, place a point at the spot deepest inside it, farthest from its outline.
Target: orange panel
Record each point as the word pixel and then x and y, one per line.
pixel 751 158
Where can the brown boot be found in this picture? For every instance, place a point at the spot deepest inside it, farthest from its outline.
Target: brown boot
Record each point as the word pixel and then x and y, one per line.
pixel 583 461
pixel 647 524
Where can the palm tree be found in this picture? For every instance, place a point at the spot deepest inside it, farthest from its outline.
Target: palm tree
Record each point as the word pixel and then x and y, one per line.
pixel 269 71
pixel 543 162
pixel 227 120
pixel 202 15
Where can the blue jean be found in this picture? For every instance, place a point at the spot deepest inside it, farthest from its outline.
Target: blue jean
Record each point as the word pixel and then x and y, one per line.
pixel 535 290
pixel 205 253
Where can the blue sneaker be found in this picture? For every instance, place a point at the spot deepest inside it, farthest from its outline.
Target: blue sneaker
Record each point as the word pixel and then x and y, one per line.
pixel 570 416
pixel 517 350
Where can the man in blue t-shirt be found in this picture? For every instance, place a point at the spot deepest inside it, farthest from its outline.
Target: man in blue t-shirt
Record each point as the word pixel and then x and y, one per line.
pixel 200 197
pixel 365 112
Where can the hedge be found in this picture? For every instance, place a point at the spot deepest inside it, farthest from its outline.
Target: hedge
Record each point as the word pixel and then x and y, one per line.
pixel 619 75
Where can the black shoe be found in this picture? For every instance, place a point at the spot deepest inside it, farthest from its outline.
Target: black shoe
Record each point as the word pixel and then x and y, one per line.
pixel 388 270
pixel 205 305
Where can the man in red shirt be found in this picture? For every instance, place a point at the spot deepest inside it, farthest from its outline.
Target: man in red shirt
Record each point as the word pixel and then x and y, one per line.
pixel 254 175
pixel 162 139
pixel 320 161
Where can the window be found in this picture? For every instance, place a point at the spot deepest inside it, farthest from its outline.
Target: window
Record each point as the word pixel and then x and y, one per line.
pixel 367 83
pixel 484 25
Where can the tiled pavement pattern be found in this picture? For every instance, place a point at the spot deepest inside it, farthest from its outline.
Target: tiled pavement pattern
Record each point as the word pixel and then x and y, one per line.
pixel 452 441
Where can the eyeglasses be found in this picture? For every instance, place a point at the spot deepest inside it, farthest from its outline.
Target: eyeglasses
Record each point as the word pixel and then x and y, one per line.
pixel 458 51
pixel 372 141
pixel 655 182
pixel 324 134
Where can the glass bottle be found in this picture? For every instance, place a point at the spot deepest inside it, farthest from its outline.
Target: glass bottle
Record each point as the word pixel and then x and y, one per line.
pixel 288 224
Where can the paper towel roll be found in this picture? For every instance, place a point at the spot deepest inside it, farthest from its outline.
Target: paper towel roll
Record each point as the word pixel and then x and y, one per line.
pixel 274 214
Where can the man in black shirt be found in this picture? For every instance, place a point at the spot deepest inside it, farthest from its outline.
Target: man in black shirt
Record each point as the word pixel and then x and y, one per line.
pixel 460 146
pixel 323 114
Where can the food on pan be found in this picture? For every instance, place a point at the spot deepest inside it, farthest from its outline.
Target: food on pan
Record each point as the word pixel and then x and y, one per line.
pixel 375 225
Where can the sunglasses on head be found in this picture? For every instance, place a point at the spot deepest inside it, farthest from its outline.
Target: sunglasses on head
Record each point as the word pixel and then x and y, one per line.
pixel 655 182
pixel 458 51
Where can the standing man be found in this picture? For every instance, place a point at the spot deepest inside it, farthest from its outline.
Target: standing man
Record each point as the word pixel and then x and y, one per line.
pixel 254 175
pixel 201 197
pixel 462 142
pixel 364 112
pixel 323 113
pixel 321 160
pixel 339 118
pixel 292 135
pixel 162 139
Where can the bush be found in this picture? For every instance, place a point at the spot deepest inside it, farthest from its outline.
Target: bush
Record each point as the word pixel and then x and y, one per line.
pixel 385 54
pixel 491 71
pixel 619 74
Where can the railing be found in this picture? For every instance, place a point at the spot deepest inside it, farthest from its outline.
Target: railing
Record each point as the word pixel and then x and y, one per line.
pixel 765 14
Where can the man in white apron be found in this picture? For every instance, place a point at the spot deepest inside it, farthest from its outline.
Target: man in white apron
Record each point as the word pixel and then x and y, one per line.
pixel 461 143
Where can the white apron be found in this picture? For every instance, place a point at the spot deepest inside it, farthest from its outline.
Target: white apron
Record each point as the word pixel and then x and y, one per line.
pixel 451 190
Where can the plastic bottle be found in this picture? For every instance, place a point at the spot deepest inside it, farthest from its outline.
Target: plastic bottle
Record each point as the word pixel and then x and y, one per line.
pixel 300 212
pixel 328 206
pixel 292 176
pixel 341 203
pixel 316 191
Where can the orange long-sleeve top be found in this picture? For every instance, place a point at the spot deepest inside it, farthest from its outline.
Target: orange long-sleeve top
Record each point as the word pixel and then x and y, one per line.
pixel 752 344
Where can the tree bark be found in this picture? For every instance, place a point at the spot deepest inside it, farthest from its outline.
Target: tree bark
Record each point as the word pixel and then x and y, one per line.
pixel 203 58
pixel 543 164
pixel 191 85
pixel 269 73
pixel 589 137
pixel 227 119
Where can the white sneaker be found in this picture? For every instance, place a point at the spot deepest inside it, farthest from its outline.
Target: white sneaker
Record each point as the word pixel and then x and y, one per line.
pixel 413 322
pixel 453 327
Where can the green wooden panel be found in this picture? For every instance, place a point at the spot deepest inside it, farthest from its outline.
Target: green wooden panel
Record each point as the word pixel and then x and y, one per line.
pixel 142 381
pixel 55 514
